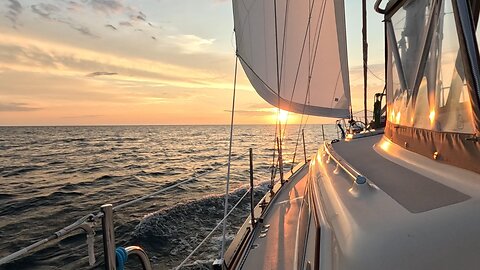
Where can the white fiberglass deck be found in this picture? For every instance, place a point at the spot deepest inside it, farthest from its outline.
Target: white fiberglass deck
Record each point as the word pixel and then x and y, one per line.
pixel 277 248
pixel 413 213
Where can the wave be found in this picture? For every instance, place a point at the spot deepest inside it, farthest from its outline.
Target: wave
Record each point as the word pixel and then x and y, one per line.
pixel 20 171
pixel 29 204
pixel 177 230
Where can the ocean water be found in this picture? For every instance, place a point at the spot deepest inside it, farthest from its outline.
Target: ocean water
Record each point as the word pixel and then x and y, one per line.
pixel 51 176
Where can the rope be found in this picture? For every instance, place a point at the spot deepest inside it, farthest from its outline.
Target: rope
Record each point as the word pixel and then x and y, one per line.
pixel 121 257
pixel 212 231
pixel 227 186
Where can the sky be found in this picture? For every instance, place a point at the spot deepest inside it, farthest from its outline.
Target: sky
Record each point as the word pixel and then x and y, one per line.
pixel 127 62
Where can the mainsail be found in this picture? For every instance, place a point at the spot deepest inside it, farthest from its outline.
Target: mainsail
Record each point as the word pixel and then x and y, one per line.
pixel 294 53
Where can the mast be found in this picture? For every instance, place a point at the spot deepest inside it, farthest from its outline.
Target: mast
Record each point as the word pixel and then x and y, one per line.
pixel 365 57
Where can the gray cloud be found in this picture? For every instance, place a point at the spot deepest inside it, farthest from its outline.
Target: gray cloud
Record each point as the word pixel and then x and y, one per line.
pixel 45 10
pixel 15 8
pixel 101 73
pixel 125 24
pixel 139 16
pixel 16 107
pixel 53 13
pixel 74 6
pixel 111 26
pixel 107 6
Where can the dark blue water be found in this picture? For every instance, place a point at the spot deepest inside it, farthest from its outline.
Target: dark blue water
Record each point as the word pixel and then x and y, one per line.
pixel 51 176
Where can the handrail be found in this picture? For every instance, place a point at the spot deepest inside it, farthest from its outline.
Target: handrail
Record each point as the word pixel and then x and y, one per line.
pixel 377 7
pixel 345 166
pixel 82 223
pixel 141 254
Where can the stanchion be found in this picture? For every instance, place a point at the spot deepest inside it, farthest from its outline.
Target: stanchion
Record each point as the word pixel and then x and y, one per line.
pixel 251 190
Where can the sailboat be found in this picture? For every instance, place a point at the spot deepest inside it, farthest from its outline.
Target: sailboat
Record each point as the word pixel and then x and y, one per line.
pixel 400 192
pixel 402 196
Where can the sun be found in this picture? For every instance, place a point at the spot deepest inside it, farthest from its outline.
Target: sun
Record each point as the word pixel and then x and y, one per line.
pixel 282 116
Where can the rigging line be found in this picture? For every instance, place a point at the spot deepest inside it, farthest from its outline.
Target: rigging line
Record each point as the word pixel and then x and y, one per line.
pixel 284 38
pixel 298 136
pixel 273 170
pixel 254 73
pixel 310 67
pixel 212 231
pixel 279 124
pixel 319 27
pixel 276 50
pixel 375 75
pixel 227 186
pixel 301 121
pixel 128 203
pixel 307 33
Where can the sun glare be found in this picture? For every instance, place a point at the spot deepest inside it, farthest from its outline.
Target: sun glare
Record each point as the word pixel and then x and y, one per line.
pixel 282 116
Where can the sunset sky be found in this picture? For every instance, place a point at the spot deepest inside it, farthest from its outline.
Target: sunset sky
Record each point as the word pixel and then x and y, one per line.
pixel 90 62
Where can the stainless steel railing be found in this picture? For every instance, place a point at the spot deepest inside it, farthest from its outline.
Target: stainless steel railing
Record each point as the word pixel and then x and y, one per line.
pixel 342 164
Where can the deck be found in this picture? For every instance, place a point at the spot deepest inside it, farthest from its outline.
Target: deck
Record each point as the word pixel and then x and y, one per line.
pixel 415 192
pixel 275 250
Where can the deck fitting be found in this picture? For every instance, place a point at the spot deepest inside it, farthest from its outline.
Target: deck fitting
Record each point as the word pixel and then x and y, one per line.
pixel 360 180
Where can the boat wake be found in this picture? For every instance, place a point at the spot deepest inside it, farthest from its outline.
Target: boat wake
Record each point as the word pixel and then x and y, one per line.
pixel 174 232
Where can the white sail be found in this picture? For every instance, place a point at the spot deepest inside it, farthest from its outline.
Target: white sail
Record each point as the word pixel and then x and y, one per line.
pixel 302 60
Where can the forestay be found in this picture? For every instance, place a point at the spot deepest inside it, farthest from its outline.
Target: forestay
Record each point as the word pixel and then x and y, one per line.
pixel 293 62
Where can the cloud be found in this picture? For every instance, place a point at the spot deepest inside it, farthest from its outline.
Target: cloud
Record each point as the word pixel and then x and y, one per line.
pixel 74 6
pixel 107 6
pixel 45 10
pixel 111 26
pixel 101 73
pixel 190 44
pixel 16 107
pixel 139 16
pixel 15 8
pixel 124 23
pixel 34 56
pixel 53 13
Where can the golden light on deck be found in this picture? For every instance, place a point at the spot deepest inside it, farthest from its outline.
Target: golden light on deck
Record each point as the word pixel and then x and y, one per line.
pixel 431 116
pixel 392 115
pixel 397 118
pixel 385 145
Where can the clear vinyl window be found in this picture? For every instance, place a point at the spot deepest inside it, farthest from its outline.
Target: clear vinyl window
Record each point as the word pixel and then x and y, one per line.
pixel 442 101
